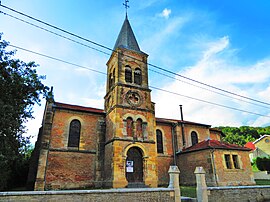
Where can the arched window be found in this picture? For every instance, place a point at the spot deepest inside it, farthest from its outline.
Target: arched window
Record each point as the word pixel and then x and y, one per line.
pixel 159 141
pixel 138 76
pixel 74 133
pixel 139 128
pixel 194 138
pixel 128 74
pixel 129 127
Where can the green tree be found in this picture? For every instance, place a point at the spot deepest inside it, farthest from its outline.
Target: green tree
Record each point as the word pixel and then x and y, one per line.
pixel 239 136
pixel 20 89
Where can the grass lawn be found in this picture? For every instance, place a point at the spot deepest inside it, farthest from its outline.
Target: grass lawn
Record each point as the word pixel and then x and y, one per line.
pixel 188 191
pixel 254 168
pixel 262 182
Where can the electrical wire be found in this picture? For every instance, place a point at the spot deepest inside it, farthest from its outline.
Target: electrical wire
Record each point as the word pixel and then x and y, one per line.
pixel 62 36
pixel 107 48
pixel 152 87
pixel 208 102
pixel 67 38
pixel 222 94
pixel 59 60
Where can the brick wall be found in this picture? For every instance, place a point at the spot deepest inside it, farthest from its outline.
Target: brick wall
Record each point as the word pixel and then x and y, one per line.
pixel 112 195
pixel 66 170
pixel 165 159
pixel 71 167
pixel 164 163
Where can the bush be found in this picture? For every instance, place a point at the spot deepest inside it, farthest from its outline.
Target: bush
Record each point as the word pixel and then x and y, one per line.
pixel 263 163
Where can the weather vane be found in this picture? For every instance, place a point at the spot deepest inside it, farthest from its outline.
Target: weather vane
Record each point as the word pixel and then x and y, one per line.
pixel 126 5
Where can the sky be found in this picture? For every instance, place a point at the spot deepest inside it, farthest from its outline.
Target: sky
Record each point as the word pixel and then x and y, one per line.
pixel 224 44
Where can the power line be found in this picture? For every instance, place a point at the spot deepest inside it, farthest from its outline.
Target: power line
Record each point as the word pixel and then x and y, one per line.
pixel 208 102
pixel 153 87
pixel 222 94
pixel 155 66
pixel 67 38
pixel 59 60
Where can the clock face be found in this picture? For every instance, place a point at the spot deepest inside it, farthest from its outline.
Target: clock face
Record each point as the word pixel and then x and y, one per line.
pixel 133 98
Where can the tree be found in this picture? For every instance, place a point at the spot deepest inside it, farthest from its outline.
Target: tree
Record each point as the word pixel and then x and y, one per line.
pixel 20 89
pixel 239 136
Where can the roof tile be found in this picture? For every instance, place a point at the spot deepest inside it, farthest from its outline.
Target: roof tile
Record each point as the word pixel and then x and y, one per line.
pixel 215 144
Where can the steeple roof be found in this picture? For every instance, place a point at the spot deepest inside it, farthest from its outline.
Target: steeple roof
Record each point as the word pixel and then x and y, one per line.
pixel 126 38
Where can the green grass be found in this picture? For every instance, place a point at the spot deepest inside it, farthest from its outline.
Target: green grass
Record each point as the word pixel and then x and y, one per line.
pixel 254 168
pixel 262 182
pixel 189 191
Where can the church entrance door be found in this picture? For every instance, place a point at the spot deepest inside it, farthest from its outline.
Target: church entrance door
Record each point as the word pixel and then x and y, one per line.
pixel 134 165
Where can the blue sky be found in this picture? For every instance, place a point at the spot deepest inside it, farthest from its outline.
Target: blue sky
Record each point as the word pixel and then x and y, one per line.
pixel 221 43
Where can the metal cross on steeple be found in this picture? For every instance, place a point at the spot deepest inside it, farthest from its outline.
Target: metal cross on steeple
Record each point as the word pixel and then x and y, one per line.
pixel 126 5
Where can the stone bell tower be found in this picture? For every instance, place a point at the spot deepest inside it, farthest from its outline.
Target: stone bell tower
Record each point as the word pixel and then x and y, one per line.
pixel 130 149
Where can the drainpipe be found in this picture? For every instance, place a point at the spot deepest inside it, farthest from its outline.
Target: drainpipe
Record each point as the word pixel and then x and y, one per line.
pixel 173 144
pixel 213 165
pixel 182 127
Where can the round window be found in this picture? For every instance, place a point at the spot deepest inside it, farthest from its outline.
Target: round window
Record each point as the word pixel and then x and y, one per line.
pixel 267 140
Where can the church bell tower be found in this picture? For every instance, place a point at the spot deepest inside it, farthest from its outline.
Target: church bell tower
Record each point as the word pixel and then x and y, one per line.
pixel 130 149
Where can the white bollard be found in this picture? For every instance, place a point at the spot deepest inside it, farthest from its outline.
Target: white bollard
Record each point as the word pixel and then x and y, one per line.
pixel 174 182
pixel 201 185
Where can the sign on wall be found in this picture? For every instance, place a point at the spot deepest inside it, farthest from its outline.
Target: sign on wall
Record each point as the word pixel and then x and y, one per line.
pixel 129 167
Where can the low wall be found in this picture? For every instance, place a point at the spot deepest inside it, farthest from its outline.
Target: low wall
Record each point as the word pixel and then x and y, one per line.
pixel 112 195
pixel 261 175
pixel 239 193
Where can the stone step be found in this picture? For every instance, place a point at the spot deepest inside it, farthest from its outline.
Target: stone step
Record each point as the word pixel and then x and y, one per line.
pixel 188 199
pixel 137 185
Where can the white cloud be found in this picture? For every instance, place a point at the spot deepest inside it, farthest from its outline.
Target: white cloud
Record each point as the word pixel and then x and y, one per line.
pixel 165 13
pixel 216 68
pixel 162 33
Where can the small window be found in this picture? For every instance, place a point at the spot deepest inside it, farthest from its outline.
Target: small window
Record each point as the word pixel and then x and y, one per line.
pixel 139 128
pixel 228 161
pixel 159 141
pixel 235 161
pixel 138 76
pixel 128 74
pixel 129 127
pixel 74 133
pixel 194 138
pixel 110 80
pixel 113 76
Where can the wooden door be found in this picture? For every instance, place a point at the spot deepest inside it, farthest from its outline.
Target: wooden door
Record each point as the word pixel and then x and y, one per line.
pixel 134 165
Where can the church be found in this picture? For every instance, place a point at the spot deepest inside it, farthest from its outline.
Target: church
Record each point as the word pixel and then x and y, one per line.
pixel 124 144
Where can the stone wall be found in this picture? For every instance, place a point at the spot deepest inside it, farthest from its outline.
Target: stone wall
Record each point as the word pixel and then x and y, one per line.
pixel 233 176
pixel 112 195
pixel 187 162
pixel 239 194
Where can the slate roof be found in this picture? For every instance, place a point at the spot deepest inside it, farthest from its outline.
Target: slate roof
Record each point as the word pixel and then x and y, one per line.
pixel 59 105
pixel 126 38
pixel 214 144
